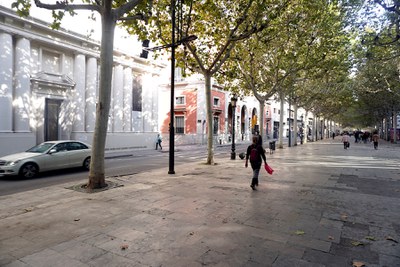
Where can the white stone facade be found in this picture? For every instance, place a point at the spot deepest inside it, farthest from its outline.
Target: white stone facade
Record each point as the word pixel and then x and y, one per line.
pixel 49 86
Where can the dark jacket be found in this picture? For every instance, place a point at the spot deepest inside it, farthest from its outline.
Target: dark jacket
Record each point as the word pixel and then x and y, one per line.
pixel 261 156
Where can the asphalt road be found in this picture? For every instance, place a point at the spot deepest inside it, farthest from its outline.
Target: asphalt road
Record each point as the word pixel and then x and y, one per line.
pixel 127 163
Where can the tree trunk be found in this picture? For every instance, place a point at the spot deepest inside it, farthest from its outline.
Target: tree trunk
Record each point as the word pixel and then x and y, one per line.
pixel 316 127
pixel 96 174
pixel 210 145
pixel 305 128
pixel 280 138
pixel 395 126
pixel 262 103
pixel 295 125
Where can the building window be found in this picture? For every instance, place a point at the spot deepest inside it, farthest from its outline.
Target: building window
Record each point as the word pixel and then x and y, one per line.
pixel 216 125
pixel 179 124
pixel 279 111
pixel 180 100
pixel 216 102
pixel 178 74
pixel 137 94
pixel 274 110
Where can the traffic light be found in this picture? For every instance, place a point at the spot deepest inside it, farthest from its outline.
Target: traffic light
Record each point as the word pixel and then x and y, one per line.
pixel 145 53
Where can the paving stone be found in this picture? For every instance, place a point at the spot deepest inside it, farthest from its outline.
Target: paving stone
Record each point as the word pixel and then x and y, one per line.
pixel 285 261
pixel 51 258
pixel 16 263
pixel 325 258
pixel 346 248
pixel 111 260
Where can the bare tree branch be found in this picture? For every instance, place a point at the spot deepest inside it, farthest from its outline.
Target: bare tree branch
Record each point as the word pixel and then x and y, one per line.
pixel 64 5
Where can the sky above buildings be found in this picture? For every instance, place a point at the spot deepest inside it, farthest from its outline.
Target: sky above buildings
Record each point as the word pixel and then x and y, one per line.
pixel 80 23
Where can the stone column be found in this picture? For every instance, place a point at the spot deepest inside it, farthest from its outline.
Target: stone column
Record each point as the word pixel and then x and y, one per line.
pixel 127 116
pixel 22 92
pixel 78 101
pixel 117 108
pixel 91 96
pixel 6 82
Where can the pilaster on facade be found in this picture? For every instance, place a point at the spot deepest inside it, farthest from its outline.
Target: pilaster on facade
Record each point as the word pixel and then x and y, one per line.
pixel 6 82
pixel 79 94
pixel 92 76
pixel 22 93
pixel 117 99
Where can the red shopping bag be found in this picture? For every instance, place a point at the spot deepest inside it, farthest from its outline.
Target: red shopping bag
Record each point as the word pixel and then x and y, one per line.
pixel 268 168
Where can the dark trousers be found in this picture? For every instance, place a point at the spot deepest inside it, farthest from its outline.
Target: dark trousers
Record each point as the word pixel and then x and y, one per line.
pixel 158 144
pixel 254 181
pixel 346 145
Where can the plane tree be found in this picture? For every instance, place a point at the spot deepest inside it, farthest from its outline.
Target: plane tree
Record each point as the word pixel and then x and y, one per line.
pixel 110 11
pixel 377 53
pixel 277 60
pixel 378 90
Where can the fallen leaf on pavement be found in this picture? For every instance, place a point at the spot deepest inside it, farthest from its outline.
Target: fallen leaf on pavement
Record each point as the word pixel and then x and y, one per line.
pixel 77 220
pixel 344 217
pixel 370 238
pixel 358 264
pixel 299 232
pixel 391 239
pixel 124 247
pixel 357 243
pixel 331 237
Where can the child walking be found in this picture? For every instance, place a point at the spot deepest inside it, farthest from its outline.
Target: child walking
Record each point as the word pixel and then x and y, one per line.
pixel 256 155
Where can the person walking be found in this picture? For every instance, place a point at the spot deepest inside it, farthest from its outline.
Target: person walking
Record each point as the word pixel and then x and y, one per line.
pixel 256 154
pixel 158 141
pixel 346 140
pixel 375 139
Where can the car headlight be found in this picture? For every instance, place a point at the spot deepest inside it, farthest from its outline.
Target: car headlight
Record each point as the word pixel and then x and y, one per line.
pixel 12 163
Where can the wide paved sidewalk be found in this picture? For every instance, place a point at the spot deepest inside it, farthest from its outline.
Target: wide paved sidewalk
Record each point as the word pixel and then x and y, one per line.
pixel 323 206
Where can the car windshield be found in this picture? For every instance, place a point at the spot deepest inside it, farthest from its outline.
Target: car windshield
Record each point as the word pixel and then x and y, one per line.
pixel 40 148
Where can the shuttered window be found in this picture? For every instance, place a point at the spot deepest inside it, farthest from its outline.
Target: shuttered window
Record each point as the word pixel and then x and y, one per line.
pixel 179 124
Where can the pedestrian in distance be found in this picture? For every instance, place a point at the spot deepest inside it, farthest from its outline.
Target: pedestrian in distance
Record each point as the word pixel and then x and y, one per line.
pixel 346 140
pixel 333 135
pixel 158 142
pixel 256 154
pixel 375 139
pixel 259 140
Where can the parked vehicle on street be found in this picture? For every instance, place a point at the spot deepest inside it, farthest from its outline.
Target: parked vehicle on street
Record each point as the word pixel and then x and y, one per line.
pixel 47 156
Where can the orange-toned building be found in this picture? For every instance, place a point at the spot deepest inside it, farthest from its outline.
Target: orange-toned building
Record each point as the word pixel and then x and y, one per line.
pixel 190 114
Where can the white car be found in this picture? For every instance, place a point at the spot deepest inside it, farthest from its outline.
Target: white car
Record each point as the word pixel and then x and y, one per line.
pixel 47 156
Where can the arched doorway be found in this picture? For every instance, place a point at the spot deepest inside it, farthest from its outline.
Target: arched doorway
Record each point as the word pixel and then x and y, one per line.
pixel 254 121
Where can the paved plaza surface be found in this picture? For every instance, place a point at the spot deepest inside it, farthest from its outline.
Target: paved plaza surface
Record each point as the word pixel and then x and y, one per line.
pixel 323 206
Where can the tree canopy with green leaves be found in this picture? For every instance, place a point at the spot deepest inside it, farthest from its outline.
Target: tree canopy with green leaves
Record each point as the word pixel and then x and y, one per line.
pixel 218 27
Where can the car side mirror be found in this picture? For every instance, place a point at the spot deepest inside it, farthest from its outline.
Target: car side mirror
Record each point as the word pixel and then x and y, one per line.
pixel 52 151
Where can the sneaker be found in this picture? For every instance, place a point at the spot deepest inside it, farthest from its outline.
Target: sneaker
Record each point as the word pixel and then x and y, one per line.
pixel 253 187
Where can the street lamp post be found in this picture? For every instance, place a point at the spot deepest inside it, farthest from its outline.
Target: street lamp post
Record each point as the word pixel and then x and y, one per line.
pixel 175 43
pixel 171 124
pixel 302 130
pixel 233 103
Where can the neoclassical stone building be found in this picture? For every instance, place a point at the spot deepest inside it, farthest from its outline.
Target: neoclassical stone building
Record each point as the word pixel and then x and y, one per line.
pixel 49 86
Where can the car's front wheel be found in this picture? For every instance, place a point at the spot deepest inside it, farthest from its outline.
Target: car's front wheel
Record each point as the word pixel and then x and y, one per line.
pixel 86 163
pixel 29 170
